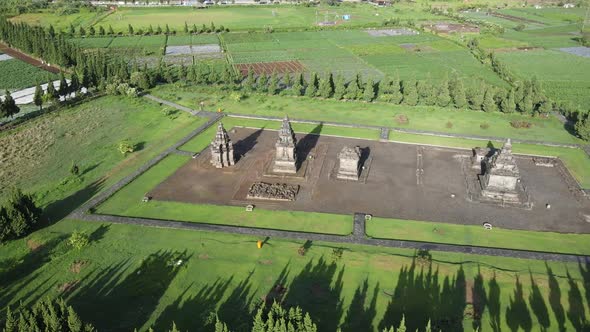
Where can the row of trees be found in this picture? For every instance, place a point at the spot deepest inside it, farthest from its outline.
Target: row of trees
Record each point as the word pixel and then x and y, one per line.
pixel 45 315
pixel 18 216
pixel 151 30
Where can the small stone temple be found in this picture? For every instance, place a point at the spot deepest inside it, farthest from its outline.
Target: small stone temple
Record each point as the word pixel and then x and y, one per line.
pixel 349 159
pixel 501 176
pixel 285 156
pixel 222 149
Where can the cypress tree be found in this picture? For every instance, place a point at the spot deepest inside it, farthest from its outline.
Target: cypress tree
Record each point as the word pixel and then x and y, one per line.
pixel 262 83
pixel 458 95
pixel 185 27
pixel 191 75
pixel 150 30
pixel 159 30
pixel 297 87
pixel 9 107
pixel 101 31
pixel 508 105
pixel 395 90
pixel 340 88
pixel 410 94
pixel 111 31
pixel 369 92
pixel 72 30
pixel 326 88
pixel 312 86
pixel 476 96
pixel 130 29
pixel 443 98
pixel 74 83
pixel 526 105
pixel 250 83
pixel 489 104
pixel 51 92
pixel 74 322
pixel 82 32
pixel 38 98
pixel 273 84
pixel 288 80
pixel 91 31
pixel 63 85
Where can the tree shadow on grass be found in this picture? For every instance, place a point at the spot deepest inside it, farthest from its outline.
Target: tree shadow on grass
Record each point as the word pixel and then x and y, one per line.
pixel 576 313
pixel 555 299
pixel 360 317
pixel 517 313
pixel 60 209
pixel 117 299
pixel 237 310
pixel 419 297
pixel 585 272
pixel 479 300
pixel 493 303
pixel 317 290
pixel 538 305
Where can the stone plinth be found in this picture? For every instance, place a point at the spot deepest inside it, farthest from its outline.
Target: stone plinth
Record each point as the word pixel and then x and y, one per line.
pixel 348 160
pixel 501 176
pixel 275 191
pixel 222 149
pixel 285 160
pixel 478 157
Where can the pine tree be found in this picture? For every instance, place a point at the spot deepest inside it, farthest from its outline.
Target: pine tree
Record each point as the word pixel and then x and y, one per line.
pixel 353 89
pixel 10 323
pixel 258 324
pixel 72 30
pixel 159 30
pixel 288 80
pixel 38 98
pixel 443 98
pixel 526 105
pixel 250 83
pixel 395 88
pixel 51 91
pixel 339 88
pixel 63 86
pixel 508 105
pixel 167 29
pixel 91 31
pixel 476 96
pixel 185 27
pixel 174 328
pixel 273 84
pixel 326 88
pixel 410 94
pixel 191 75
pixel 74 322
pixel 458 94
pixel 297 87
pixel 369 92
pixel 262 83
pixel 82 32
pixel 150 30
pixel 9 107
pixel 101 31
pixel 489 104
pixel 402 325
pixel 74 83
pixel 220 326
pixel 312 86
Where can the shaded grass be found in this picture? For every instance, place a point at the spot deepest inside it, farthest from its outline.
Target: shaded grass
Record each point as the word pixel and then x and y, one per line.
pixel 127 202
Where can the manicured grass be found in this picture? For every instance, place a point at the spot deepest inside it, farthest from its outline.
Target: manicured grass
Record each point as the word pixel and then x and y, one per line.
pixel 576 160
pixel 127 202
pixel 200 142
pixel 438 232
pixel 128 280
pixel 37 156
pixel 17 74
pixel 378 114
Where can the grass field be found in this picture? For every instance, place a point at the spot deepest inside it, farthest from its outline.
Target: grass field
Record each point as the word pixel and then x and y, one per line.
pixel 84 18
pixel 37 156
pixel 17 75
pixel 127 272
pixel 250 18
pixel 378 114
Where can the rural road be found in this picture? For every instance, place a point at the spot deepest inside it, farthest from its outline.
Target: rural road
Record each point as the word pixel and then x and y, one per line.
pixel 357 237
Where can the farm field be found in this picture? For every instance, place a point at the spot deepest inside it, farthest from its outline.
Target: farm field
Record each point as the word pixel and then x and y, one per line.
pixel 378 114
pixel 256 18
pixel 350 52
pixel 38 155
pixel 17 75
pixel 563 76
pixel 335 292
pixel 84 18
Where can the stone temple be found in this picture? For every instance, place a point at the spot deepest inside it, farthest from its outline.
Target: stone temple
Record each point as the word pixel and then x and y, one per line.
pixel 285 157
pixel 501 177
pixel 222 149
pixel 349 159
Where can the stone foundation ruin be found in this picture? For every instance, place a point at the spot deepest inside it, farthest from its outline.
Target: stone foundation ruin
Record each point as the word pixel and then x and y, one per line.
pixel 275 192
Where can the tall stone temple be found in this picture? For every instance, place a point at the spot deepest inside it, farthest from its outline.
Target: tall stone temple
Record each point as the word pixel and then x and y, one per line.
pixel 501 175
pixel 285 156
pixel 222 149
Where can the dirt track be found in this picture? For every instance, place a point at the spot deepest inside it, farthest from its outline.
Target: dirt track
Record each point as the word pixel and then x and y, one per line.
pixel 30 60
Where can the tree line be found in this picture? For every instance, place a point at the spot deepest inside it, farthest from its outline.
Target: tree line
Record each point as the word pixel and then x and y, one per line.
pixel 45 315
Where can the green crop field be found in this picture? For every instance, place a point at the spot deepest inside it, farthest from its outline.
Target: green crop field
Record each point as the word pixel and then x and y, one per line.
pixel 17 74
pixel 564 76
pixel 94 42
pixel 84 18
pixel 248 18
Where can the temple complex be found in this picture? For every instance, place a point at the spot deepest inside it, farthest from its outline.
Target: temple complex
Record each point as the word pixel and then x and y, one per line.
pixel 501 176
pixel 222 149
pixel 349 158
pixel 285 155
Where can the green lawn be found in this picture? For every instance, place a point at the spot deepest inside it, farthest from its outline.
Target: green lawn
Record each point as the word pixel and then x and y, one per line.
pixel 17 75
pixel 378 114
pixel 37 156
pixel 127 280
pixel 426 231
pixel 576 160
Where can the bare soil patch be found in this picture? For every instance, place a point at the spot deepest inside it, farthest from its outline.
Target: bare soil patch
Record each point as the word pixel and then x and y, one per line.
pixel 515 18
pixel 443 27
pixel 33 245
pixel 30 60
pixel 280 67
pixel 68 286
pixel 77 266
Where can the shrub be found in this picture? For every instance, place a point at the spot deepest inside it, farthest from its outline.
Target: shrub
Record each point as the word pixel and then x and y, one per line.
pixel 449 124
pixel 520 27
pixel 520 124
pixel 79 239
pixel 74 169
pixel 484 126
pixel 337 254
pixel 402 119
pixel 126 147
pixel 582 128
